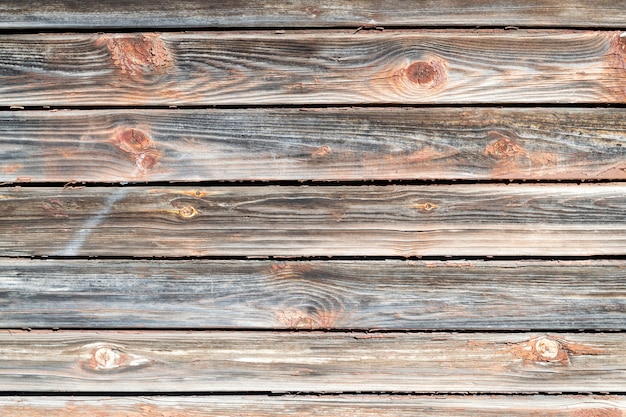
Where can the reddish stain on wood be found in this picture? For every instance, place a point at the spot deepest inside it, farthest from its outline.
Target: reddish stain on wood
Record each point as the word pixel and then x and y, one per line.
pixel 136 54
pixel 300 319
pixel 425 154
pixel 598 412
pixel 617 62
pixel 139 146
pixel 9 169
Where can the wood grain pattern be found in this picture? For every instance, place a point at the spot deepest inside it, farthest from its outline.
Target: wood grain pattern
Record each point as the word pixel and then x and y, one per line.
pixel 310 362
pixel 309 406
pixel 446 220
pixel 313 295
pixel 288 144
pixel 106 14
pixel 334 67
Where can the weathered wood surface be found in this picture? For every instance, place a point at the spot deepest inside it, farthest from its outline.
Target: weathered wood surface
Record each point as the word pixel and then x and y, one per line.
pixel 311 362
pixel 314 406
pixel 333 67
pixel 446 220
pixel 313 295
pixel 290 144
pixel 107 14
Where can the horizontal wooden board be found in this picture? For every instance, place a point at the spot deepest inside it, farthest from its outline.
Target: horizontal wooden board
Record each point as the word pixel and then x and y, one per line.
pixel 445 220
pixel 310 362
pixel 313 144
pixel 309 406
pixel 313 294
pixel 64 14
pixel 334 67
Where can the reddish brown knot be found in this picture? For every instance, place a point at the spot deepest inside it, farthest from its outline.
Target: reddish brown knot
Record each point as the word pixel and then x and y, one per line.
pixel 141 53
pixel 430 73
pixel 139 146
pixel 502 147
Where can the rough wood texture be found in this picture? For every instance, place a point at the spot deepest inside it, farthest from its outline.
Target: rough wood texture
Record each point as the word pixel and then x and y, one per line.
pixel 461 220
pixel 310 362
pixel 288 144
pixel 314 406
pixel 106 14
pixel 313 295
pixel 312 68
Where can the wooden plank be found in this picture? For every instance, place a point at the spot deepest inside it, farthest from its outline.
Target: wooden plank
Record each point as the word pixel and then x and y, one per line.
pixel 446 220
pixel 313 295
pixel 289 144
pixel 310 362
pixel 106 14
pixel 309 406
pixel 334 67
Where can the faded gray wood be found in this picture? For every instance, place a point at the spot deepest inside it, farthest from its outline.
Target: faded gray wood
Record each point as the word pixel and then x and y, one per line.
pixel 309 406
pixel 310 362
pixel 333 67
pixel 313 294
pixel 446 220
pixel 106 14
pixel 317 144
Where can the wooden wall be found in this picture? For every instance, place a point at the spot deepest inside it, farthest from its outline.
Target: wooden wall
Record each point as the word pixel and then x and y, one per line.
pixel 355 208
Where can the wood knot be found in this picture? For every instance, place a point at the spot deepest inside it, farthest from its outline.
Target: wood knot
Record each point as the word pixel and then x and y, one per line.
pixel 134 140
pixel 542 349
pixel 429 74
pixel 141 53
pixel 547 349
pixel 503 147
pixel 428 206
pixel 321 152
pixel 187 212
pixel 139 146
pixel 106 358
